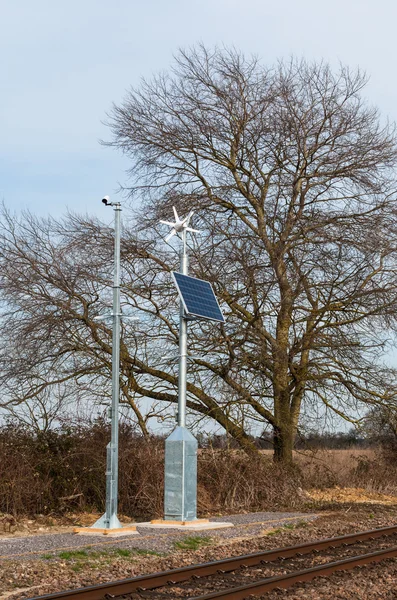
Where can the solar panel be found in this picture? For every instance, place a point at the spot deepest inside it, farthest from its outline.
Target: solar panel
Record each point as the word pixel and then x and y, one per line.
pixel 198 297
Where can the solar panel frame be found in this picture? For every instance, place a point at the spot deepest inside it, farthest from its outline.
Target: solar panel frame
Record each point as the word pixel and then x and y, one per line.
pixel 190 311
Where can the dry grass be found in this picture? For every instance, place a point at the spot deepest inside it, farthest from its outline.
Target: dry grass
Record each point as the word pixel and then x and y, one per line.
pixel 371 470
pixel 326 468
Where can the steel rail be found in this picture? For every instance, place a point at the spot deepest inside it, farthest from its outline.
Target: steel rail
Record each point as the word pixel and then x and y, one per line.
pixel 152 581
pixel 287 581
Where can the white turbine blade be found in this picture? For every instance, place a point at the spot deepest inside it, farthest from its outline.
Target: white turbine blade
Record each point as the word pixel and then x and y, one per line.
pixel 187 219
pixel 169 236
pixel 191 229
pixel 175 213
pixel 167 223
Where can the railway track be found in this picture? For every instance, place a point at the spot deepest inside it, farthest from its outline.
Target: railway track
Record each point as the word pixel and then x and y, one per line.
pixel 145 583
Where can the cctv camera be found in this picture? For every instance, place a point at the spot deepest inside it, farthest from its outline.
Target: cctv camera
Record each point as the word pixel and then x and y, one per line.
pixel 105 200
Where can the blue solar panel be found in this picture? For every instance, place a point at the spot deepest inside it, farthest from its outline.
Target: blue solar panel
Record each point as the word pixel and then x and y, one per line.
pixel 198 297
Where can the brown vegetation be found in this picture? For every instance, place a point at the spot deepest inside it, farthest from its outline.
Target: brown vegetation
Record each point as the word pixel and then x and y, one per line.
pixel 64 470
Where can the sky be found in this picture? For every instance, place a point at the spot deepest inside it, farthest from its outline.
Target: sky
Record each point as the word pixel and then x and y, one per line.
pixel 64 63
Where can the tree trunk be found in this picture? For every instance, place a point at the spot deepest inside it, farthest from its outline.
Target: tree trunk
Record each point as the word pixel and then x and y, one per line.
pixel 283 444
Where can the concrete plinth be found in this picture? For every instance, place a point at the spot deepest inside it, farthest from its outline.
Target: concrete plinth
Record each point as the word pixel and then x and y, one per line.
pixel 119 531
pixel 180 486
pixel 195 525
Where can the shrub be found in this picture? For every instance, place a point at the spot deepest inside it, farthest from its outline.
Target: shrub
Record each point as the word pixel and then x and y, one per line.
pixel 62 469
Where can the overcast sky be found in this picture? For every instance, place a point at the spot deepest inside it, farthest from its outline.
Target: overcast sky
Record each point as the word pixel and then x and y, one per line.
pixel 64 63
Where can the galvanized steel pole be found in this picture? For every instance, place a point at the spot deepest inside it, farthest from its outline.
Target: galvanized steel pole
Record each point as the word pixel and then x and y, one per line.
pixel 110 520
pixel 111 503
pixel 180 485
pixel 182 343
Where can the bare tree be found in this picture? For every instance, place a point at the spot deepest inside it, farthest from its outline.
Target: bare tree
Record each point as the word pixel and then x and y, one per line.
pixel 45 410
pixel 292 176
pixel 297 176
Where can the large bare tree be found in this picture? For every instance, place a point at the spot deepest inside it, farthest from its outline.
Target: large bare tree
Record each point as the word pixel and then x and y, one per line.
pixel 292 176
pixel 297 175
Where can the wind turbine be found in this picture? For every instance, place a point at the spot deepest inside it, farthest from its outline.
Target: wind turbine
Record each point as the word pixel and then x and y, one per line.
pixel 180 225
pixel 180 476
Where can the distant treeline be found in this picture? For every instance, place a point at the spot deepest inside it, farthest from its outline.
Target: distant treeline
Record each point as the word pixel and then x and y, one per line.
pixel 378 430
pixel 313 440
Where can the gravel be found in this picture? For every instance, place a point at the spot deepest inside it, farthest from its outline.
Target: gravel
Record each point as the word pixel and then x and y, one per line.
pixel 159 540
pixel 375 582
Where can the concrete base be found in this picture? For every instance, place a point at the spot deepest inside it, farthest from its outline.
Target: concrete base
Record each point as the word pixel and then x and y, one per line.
pixel 117 532
pixel 195 525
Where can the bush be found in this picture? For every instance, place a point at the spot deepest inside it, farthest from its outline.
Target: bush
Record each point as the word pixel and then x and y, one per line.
pixel 235 482
pixel 64 469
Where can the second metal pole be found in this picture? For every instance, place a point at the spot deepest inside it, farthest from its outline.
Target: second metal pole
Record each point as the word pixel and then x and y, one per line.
pixel 180 486
pixel 182 344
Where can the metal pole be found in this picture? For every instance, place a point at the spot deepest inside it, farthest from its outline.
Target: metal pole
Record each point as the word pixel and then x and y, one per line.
pixel 111 511
pixel 109 520
pixel 182 343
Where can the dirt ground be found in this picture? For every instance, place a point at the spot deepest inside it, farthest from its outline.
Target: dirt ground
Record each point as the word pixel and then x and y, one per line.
pixel 44 524
pixel 351 495
pixel 341 512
